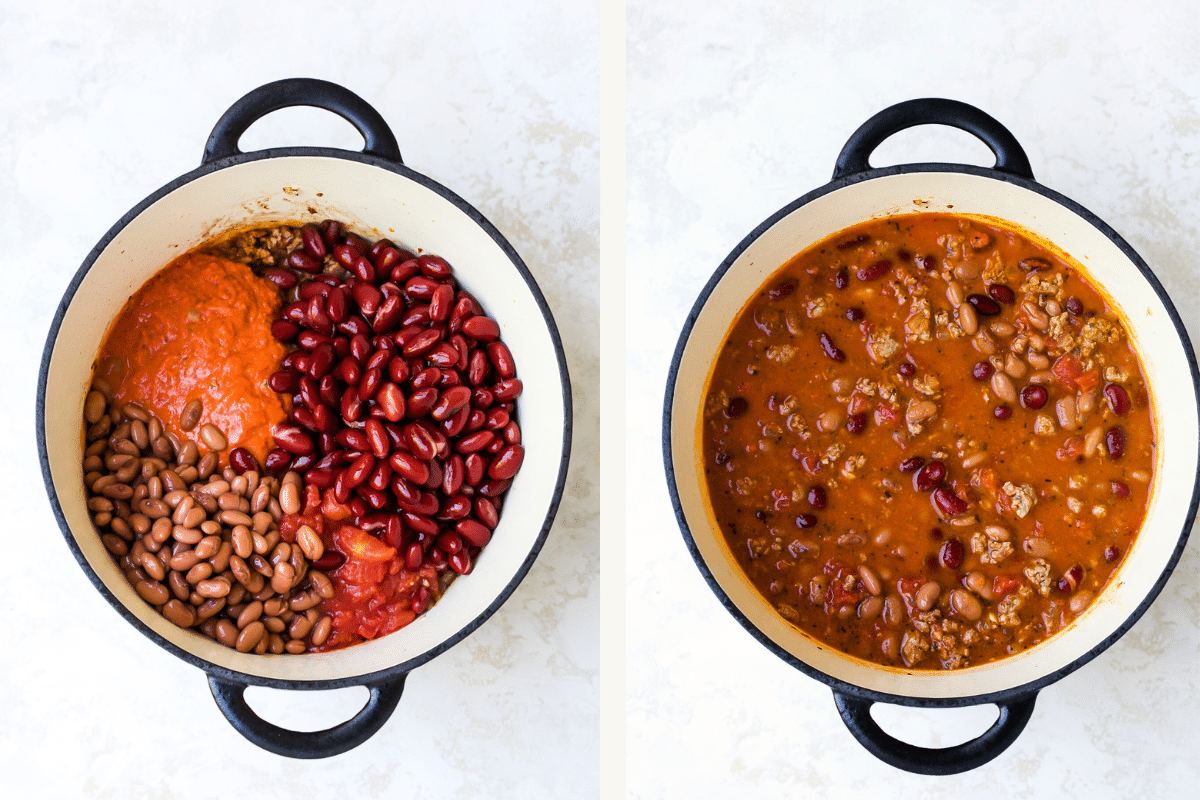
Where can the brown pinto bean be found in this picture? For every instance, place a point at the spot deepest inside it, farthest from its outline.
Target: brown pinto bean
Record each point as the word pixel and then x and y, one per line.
pixel 927 595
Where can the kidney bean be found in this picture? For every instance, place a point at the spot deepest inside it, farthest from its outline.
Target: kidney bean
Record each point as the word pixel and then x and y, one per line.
pixel 506 463
pixel 285 381
pixel 1001 294
pixel 434 266
pixel 1034 264
pixel 817 498
pixel 1117 398
pixel 983 305
pixel 284 330
pixel 855 423
pixel 911 464
pixel 875 271
pixel 501 359
pixel 830 349
pixel 388 314
pixel 421 402
pixel 301 261
pixel 243 461
pixel 1114 438
pixel 310 289
pixel 481 328
pixel 476 467
pixel 1002 412
pixel 981 371
pixel 293 439
pixel 950 555
pixel 507 390
pixel 948 502
pixel 929 476
pixel 486 513
pixel 841 278
pixel 282 278
pixel 1034 397
pixel 417 316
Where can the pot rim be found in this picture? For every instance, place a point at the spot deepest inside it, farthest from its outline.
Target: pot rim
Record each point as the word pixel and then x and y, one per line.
pixel 388 673
pixel 838 685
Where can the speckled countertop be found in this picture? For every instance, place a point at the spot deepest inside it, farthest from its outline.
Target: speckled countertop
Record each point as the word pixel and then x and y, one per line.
pixel 733 113
pixel 106 102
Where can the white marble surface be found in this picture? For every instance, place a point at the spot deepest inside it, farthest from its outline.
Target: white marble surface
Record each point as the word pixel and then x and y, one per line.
pixel 734 112
pixel 103 103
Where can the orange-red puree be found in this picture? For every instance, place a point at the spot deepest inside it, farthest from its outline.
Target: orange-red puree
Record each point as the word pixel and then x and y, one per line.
pixel 200 328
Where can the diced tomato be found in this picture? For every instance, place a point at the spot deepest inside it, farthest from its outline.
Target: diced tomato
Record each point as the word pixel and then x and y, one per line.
pixel 886 414
pixel 358 544
pixel 1071 449
pixel 332 509
pixel 1067 369
pixel 985 478
pixel 1088 380
pixel 840 596
pixel 858 404
pixel 1004 585
pixel 1003 503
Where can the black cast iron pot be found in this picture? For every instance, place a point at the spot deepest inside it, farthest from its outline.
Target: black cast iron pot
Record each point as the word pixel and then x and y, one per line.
pixel 377 196
pixel 1007 192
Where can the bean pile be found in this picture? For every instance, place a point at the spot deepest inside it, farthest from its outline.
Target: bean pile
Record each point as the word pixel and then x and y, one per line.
pixel 200 544
pixel 403 397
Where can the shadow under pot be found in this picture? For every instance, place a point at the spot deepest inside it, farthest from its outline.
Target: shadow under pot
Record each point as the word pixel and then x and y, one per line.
pixel 1006 193
pixel 370 191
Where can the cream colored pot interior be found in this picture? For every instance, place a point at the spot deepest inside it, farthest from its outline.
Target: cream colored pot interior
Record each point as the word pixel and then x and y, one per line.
pixel 1156 339
pixel 374 202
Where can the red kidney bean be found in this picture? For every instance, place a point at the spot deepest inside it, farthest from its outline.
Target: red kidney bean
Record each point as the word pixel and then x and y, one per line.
pixel 981 371
pixel 349 370
pixel 285 381
pixel 1115 439
pixel 948 502
pixel 507 389
pixel 830 349
pixel 443 355
pixel 475 442
pixel 929 476
pixel 486 513
pixel 1034 396
pixel 1118 398
pixel 387 315
pixel 420 523
pixel 841 278
pixel 450 402
pixel 817 498
pixel 293 439
pixel 353 439
pixel 420 288
pixel 301 261
pixel 912 464
pixel 483 329
pixel 323 359
pixel 1119 489
pixel 409 467
pixel 1034 264
pixel 284 330
pixel 421 402
pixel 320 477
pixel 450 542
pixel 1002 412
pixel 387 259
pixel 474 533
pixel 855 423
pixel 496 419
pixel 460 562
pixel 806 520
pixel 282 278
pixel 242 460
pixel 482 398
pixel 855 314
pixel 367 297
pixel 405 270
pixel 449 378
pixel 875 271
pixel 476 467
pixel 1001 293
pixel 422 343
pixel 310 289
pixel 277 461
pixel 782 290
pixel 506 463
pixel 418 315
pixel 372 379
pixel 314 243
pixel 984 305
pixel 434 266
pixel 359 469
pixel 331 231
pixel 1074 305
pixel 951 553
pixel 501 359
pixel 345 255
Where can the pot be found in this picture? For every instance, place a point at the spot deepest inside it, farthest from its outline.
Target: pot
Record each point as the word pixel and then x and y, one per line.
pixel 1009 192
pixel 371 191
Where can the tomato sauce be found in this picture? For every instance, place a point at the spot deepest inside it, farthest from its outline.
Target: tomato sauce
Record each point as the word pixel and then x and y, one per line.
pixel 200 329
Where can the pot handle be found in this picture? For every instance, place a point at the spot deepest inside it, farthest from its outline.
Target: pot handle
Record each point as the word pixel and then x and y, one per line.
pixel 856 713
pixel 1010 157
pixel 307 744
pixel 255 105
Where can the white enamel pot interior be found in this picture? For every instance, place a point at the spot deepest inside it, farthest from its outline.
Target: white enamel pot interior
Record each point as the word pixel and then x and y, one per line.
pixel 376 197
pixel 1170 368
